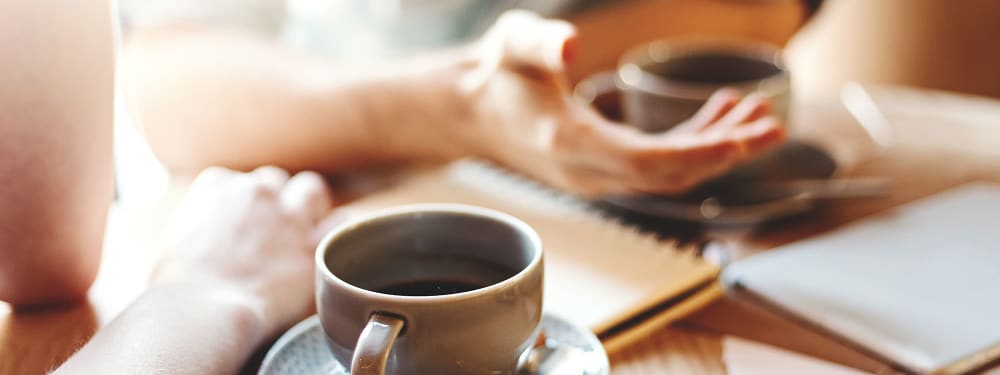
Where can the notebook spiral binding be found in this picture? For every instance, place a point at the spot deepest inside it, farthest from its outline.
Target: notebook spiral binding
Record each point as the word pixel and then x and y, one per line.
pixel 499 181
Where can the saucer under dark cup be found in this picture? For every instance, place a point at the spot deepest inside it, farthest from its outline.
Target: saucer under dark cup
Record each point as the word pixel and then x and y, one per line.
pixel 758 193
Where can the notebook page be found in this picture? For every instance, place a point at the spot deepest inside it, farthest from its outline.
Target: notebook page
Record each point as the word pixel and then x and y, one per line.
pixel 916 285
pixel 597 272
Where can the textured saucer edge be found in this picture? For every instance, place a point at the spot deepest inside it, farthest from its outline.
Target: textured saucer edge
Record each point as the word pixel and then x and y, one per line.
pixel 556 327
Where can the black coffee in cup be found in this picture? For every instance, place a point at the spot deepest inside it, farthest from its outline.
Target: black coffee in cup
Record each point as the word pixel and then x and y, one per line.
pixel 431 287
pixel 712 68
pixel 433 275
pixel 417 265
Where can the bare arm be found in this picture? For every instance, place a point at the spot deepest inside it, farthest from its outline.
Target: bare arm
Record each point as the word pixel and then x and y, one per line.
pixel 216 97
pixel 237 270
pixel 176 329
pixel 56 78
pixel 211 97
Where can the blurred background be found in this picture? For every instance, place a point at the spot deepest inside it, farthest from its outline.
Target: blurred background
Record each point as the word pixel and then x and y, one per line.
pixel 948 45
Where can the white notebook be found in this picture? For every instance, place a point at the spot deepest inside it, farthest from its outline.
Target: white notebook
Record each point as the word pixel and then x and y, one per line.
pixel 918 286
pixel 598 273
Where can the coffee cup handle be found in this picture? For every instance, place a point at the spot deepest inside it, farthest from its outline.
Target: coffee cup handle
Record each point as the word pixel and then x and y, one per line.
pixel 594 86
pixel 372 351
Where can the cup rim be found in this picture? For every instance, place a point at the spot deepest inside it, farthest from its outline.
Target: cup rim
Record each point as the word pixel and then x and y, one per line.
pixel 660 50
pixel 520 225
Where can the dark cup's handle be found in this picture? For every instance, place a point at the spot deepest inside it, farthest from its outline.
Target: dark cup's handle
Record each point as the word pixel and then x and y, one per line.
pixel 372 351
pixel 594 86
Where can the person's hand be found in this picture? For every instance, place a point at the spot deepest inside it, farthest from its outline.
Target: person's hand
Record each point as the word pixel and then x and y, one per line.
pixel 525 118
pixel 252 234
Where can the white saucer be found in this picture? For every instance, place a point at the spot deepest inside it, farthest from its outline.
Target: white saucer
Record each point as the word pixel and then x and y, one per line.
pixel 303 351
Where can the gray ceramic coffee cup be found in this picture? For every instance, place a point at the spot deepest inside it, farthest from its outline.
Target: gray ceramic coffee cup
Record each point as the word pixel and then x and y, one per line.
pixel 664 83
pixel 430 289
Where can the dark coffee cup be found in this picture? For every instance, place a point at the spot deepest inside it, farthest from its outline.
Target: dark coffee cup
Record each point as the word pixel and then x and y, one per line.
pixel 430 289
pixel 664 83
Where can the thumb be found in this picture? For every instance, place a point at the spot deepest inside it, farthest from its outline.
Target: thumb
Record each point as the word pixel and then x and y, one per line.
pixel 527 39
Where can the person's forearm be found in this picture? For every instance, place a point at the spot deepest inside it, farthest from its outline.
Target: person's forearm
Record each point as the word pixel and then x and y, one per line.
pixel 175 329
pixel 56 86
pixel 208 97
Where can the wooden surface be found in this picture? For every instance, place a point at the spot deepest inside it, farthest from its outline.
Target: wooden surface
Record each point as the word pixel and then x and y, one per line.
pixel 676 350
pixel 921 162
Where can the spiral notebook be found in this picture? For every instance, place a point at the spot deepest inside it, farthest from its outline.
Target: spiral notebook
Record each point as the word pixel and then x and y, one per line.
pixel 914 286
pixel 599 273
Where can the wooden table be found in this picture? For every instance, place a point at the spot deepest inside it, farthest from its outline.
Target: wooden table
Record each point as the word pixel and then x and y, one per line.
pixel 940 141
